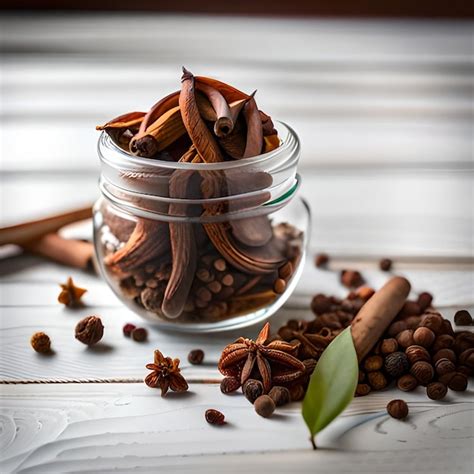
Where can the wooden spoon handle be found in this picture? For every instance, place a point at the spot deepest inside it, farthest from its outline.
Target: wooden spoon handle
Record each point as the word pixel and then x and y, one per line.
pixel 376 315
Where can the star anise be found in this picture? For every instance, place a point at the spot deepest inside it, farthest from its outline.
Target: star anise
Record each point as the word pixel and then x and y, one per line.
pixel 165 374
pixel 241 357
pixel 71 294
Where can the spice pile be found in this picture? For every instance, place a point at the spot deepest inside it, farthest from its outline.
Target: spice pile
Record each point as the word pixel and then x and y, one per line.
pixel 200 271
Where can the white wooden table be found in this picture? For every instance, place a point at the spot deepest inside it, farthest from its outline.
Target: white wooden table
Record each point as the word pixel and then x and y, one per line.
pixel 384 113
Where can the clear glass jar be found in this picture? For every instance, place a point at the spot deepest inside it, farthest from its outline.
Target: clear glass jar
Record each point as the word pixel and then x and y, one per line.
pixel 201 247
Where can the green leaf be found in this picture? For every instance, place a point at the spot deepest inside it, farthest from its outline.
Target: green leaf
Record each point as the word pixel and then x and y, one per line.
pixel 332 385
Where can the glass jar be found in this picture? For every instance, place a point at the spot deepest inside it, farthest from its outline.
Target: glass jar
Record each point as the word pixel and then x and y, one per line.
pixel 201 247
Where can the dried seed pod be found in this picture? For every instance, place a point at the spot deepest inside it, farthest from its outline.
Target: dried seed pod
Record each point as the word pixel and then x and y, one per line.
pixel 385 264
pixel 405 338
pixel 462 318
pixel 458 382
pixel 252 389
pixel 397 409
pixel 444 366
pixel 445 354
pixel 388 346
pixel 377 380
pixel 417 353
pixel 424 336
pixel 280 395
pixel 196 356
pixel 89 330
pixel 229 384
pixel 444 341
pixel 467 358
pixel 321 260
pixel 407 383
pixel 424 300
pixel 362 389
pixel 396 328
pixel 433 321
pixel 373 363
pixel 127 329
pixel 436 390
pixel 396 364
pixel 139 334
pixel 214 417
pixel 423 371
pixel 264 406
pixel 41 342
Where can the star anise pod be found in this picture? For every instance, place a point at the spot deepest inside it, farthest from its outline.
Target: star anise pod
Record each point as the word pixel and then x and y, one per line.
pixel 242 356
pixel 71 294
pixel 165 374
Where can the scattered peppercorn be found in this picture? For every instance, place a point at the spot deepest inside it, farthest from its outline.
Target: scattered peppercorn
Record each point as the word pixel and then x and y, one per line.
pixel 127 329
pixel 41 342
pixel 458 382
pixel 377 380
pixel 321 260
pixel 436 390
pixel 444 366
pixel 444 341
pixel 139 334
pixel 397 409
pixel 229 384
pixel 407 383
pixel 433 321
pixel 445 354
pixel 405 338
pixel 320 304
pixel 214 417
pixel 396 364
pixel 264 406
pixel 389 345
pixel 362 389
pixel 89 330
pixel 385 264
pixel 280 395
pixel 462 318
pixel 423 371
pixel 351 278
pixel 467 358
pixel 373 363
pixel 196 356
pixel 252 389
pixel 417 353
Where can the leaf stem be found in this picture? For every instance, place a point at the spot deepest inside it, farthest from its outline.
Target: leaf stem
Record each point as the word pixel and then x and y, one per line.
pixel 313 442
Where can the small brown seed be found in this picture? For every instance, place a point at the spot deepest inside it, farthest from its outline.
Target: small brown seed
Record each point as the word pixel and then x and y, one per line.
pixel 227 280
pixel 412 322
pixel 397 409
pixel 424 337
pixel 362 389
pixel 229 384
pixel 89 330
pixel 373 363
pixel 385 264
pixel 462 318
pixel 396 364
pixel 410 308
pixel 377 380
pixel 463 341
pixel 214 417
pixel 351 278
pixel 220 265
pixel 407 383
pixel 139 334
pixel 252 389
pixel 447 328
pixel 458 382
pixel 321 260
pixel 436 390
pixel 264 406
pixel 396 328
pixel 424 300
pixel 297 392
pixel 417 353
pixel 204 275
pixel 320 304
pixel 127 329
pixel 405 338
pixel 467 371
pixel 388 346
pixel 467 358
pixel 433 321
pixel 423 371
pixel 41 342
pixel 203 294
pixel 444 366
pixel 279 395
pixel 444 341
pixel 279 286
pixel 196 356
pixel 214 287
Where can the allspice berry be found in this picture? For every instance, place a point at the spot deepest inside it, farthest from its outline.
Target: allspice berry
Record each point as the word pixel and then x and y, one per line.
pixel 396 328
pixel 410 308
pixel 397 409
pixel 445 354
pixel 214 417
pixel 385 264
pixel 462 318
pixel 424 336
pixel 407 383
pixel 89 330
pixel 373 363
pixel 279 395
pixel 458 382
pixel 40 342
pixel 464 340
pixel 467 358
pixel 351 278
pixel 229 384
pixel 424 300
pixel 405 338
pixel 297 392
pixel 264 406
pixel 412 322
pixel 444 366
pixel 436 390
pixel 389 345
pixel 196 356
pixel 320 304
pixel 444 341
pixel 377 380
pixel 321 260
pixel 362 389
pixel 433 321
pixel 252 389
pixel 139 334
pixel 396 364
pixel 417 353
pixel 423 371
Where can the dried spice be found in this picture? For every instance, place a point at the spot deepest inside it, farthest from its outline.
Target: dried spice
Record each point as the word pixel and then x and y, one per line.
pixel 71 294
pixel 462 318
pixel 89 330
pixel 165 374
pixel 139 334
pixel 214 417
pixel 229 384
pixel 41 342
pixel 321 260
pixel 264 406
pixel 280 395
pixel 385 264
pixel 397 409
pixel 436 390
pixel 127 329
pixel 252 389
pixel 196 356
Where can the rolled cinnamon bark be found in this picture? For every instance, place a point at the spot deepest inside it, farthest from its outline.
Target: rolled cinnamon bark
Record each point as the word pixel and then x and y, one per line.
pixel 377 314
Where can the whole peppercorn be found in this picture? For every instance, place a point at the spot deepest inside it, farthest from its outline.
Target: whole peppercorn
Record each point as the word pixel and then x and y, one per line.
pixel 229 384
pixel 252 389
pixel 279 395
pixel 445 354
pixel 385 264
pixel 321 304
pixel 444 366
pixel 40 342
pixel 264 406
pixel 377 380
pixel 139 334
pixel 396 364
pixel 423 371
pixel 462 318
pixel 196 356
pixel 444 341
pixel 127 329
pixel 373 363
pixel 321 260
pixel 351 278
pixel 433 321
pixel 362 389
pixel 89 330
pixel 297 392
pixel 407 383
pixel 214 417
pixel 388 346
pixel 424 337
pixel 410 308
pixel 417 353
pixel 467 358
pixel 436 390
pixel 412 322
pixel 396 328
pixel 397 409
pixel 405 338
pixel 458 382
pixel 424 300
